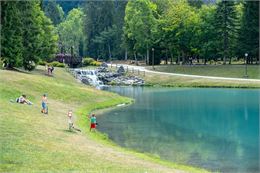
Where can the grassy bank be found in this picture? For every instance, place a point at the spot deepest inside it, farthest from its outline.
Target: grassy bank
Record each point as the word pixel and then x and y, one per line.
pixel 152 79
pixel 233 71
pixel 32 142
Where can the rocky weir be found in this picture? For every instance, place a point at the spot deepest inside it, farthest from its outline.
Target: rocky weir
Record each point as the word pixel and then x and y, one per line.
pixel 103 76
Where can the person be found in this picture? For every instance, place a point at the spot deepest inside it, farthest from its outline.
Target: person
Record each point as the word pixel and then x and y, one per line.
pixel 22 99
pixel 44 104
pixel 51 69
pixel 70 121
pixel 93 122
pixel 48 69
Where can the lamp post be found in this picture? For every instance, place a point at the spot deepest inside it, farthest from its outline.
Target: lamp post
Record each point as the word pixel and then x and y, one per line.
pixel 246 54
pixel 153 57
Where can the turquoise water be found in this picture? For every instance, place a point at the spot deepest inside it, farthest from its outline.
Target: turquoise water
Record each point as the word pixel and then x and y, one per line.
pixel 217 129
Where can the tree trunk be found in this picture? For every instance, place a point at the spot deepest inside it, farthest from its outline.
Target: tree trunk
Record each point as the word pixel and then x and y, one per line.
pixel 109 51
pixel 126 54
pixel 225 34
pixel 166 60
pixel 147 55
pixel 135 57
pixel 171 56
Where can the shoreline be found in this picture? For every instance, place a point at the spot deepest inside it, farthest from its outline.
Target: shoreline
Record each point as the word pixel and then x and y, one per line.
pixel 103 138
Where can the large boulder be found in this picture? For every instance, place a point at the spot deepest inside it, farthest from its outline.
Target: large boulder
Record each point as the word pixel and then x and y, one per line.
pixel 121 70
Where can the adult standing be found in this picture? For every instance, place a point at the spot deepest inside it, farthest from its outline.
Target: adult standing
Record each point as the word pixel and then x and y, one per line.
pixel 44 104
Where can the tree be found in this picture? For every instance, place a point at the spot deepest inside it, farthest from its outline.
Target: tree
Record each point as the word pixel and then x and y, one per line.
pixel 195 3
pixel 71 31
pixel 54 12
pixel 179 27
pixel 26 34
pixel 48 37
pixel 106 38
pixel 11 34
pixel 207 36
pixel 140 25
pixel 226 28
pixel 99 17
pixel 249 32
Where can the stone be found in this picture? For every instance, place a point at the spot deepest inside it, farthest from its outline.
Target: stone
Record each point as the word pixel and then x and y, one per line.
pixel 121 70
pixel 104 65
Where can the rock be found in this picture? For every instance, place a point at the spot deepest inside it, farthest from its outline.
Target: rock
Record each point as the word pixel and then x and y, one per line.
pixel 121 70
pixel 104 65
pixel 85 81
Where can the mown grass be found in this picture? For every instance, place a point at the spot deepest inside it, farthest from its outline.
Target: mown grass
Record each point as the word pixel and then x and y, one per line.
pixel 32 142
pixel 234 71
pixel 152 79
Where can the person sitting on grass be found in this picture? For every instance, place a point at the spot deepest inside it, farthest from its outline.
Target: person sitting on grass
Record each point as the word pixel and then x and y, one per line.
pixel 22 99
pixel 93 122
pixel 70 121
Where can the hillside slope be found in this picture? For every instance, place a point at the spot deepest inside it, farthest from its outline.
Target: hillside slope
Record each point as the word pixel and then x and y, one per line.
pixel 33 142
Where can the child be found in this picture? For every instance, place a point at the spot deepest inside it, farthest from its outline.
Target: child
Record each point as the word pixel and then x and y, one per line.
pixel 70 121
pixel 44 104
pixel 93 122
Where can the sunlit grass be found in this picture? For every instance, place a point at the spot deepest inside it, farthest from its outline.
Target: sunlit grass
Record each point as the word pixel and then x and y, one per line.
pixel 33 142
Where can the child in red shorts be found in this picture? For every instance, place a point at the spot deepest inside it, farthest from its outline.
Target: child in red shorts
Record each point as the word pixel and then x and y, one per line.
pixel 93 122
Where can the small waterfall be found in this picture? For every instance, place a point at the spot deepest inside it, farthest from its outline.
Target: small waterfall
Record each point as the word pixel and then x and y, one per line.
pixel 88 77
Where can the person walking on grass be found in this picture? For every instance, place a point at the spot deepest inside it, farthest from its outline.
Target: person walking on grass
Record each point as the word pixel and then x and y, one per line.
pixel 70 121
pixel 44 104
pixel 93 122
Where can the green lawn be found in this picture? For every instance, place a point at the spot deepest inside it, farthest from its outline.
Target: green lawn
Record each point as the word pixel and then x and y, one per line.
pixel 234 71
pixel 32 142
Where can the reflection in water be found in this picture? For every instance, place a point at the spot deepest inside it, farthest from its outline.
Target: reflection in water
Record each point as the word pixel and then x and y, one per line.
pixel 217 129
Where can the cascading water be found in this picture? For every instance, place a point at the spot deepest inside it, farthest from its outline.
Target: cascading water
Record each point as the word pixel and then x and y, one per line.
pixel 89 77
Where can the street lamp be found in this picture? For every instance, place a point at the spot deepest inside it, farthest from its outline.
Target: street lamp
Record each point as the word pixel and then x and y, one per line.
pixel 153 57
pixel 246 54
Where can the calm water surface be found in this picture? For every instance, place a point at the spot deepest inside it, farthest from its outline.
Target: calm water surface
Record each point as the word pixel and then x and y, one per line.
pixel 217 129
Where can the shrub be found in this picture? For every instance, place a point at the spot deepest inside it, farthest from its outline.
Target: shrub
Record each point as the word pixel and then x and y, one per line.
pixel 87 61
pixel 60 65
pixel 54 63
pixel 96 63
pixel 30 65
pixel 42 62
pixel 1 63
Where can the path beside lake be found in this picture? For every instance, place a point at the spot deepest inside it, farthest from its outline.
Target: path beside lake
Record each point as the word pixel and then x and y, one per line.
pixel 142 68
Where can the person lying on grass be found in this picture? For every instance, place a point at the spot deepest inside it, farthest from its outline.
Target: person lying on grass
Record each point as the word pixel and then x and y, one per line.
pixel 70 121
pixel 22 99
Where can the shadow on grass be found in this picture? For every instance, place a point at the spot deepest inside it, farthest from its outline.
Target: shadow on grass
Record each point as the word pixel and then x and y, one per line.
pixel 70 131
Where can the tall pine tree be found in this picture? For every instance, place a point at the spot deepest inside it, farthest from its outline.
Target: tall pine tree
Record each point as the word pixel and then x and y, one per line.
pixel 27 34
pixel 11 34
pixel 226 28
pixel 249 32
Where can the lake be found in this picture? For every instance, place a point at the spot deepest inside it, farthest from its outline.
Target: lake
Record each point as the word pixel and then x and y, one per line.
pixel 216 129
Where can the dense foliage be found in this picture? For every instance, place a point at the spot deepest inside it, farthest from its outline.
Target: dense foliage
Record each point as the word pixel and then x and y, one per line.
pixel 71 33
pixel 147 30
pixel 27 34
